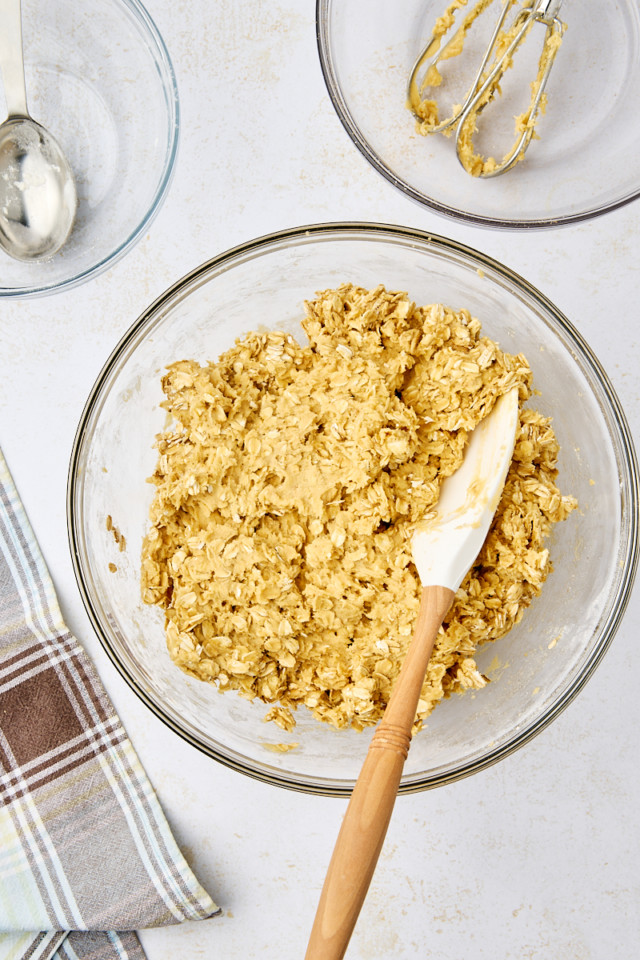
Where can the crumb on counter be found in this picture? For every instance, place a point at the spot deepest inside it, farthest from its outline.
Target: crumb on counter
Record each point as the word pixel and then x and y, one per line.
pixel 287 490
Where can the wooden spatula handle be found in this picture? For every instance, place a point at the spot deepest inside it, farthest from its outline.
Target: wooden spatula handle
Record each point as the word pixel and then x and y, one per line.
pixel 365 823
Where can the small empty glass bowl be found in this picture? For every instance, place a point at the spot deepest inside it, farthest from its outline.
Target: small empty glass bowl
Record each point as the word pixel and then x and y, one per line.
pixel 99 77
pixel 535 670
pixel 587 160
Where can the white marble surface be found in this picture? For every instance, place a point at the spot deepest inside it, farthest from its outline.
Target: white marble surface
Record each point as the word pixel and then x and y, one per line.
pixel 537 857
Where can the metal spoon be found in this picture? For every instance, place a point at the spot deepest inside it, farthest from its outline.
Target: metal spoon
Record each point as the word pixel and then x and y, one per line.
pixel 37 190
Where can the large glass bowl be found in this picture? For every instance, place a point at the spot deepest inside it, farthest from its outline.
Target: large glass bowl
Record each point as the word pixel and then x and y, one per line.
pixel 587 160
pixel 99 77
pixel 536 669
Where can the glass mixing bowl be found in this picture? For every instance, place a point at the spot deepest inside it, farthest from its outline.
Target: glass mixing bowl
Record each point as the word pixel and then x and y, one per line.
pixel 536 669
pixel 587 160
pixel 99 77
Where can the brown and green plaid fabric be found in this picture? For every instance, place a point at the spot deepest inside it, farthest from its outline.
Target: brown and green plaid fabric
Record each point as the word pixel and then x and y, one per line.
pixel 86 854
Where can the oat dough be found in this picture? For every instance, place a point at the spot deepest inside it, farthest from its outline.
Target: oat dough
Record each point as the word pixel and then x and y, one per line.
pixel 288 489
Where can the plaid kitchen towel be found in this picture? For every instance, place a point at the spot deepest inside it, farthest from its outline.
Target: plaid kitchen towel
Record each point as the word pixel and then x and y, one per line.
pixel 85 849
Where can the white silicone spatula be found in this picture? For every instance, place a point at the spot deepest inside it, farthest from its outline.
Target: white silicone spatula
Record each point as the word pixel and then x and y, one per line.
pixel 444 549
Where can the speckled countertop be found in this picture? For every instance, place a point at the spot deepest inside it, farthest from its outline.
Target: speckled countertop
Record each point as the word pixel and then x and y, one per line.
pixel 533 859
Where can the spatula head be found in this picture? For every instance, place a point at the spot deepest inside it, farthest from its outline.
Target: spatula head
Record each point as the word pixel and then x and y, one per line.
pixel 445 546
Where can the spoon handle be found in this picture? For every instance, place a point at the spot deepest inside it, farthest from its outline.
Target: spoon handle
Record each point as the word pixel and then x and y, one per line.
pixel 365 823
pixel 11 58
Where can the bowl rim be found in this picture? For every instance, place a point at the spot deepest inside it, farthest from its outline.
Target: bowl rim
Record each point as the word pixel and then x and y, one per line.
pixel 171 97
pixel 608 403
pixel 344 115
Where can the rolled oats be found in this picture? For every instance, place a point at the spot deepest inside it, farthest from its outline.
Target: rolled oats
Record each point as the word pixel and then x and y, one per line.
pixel 288 488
